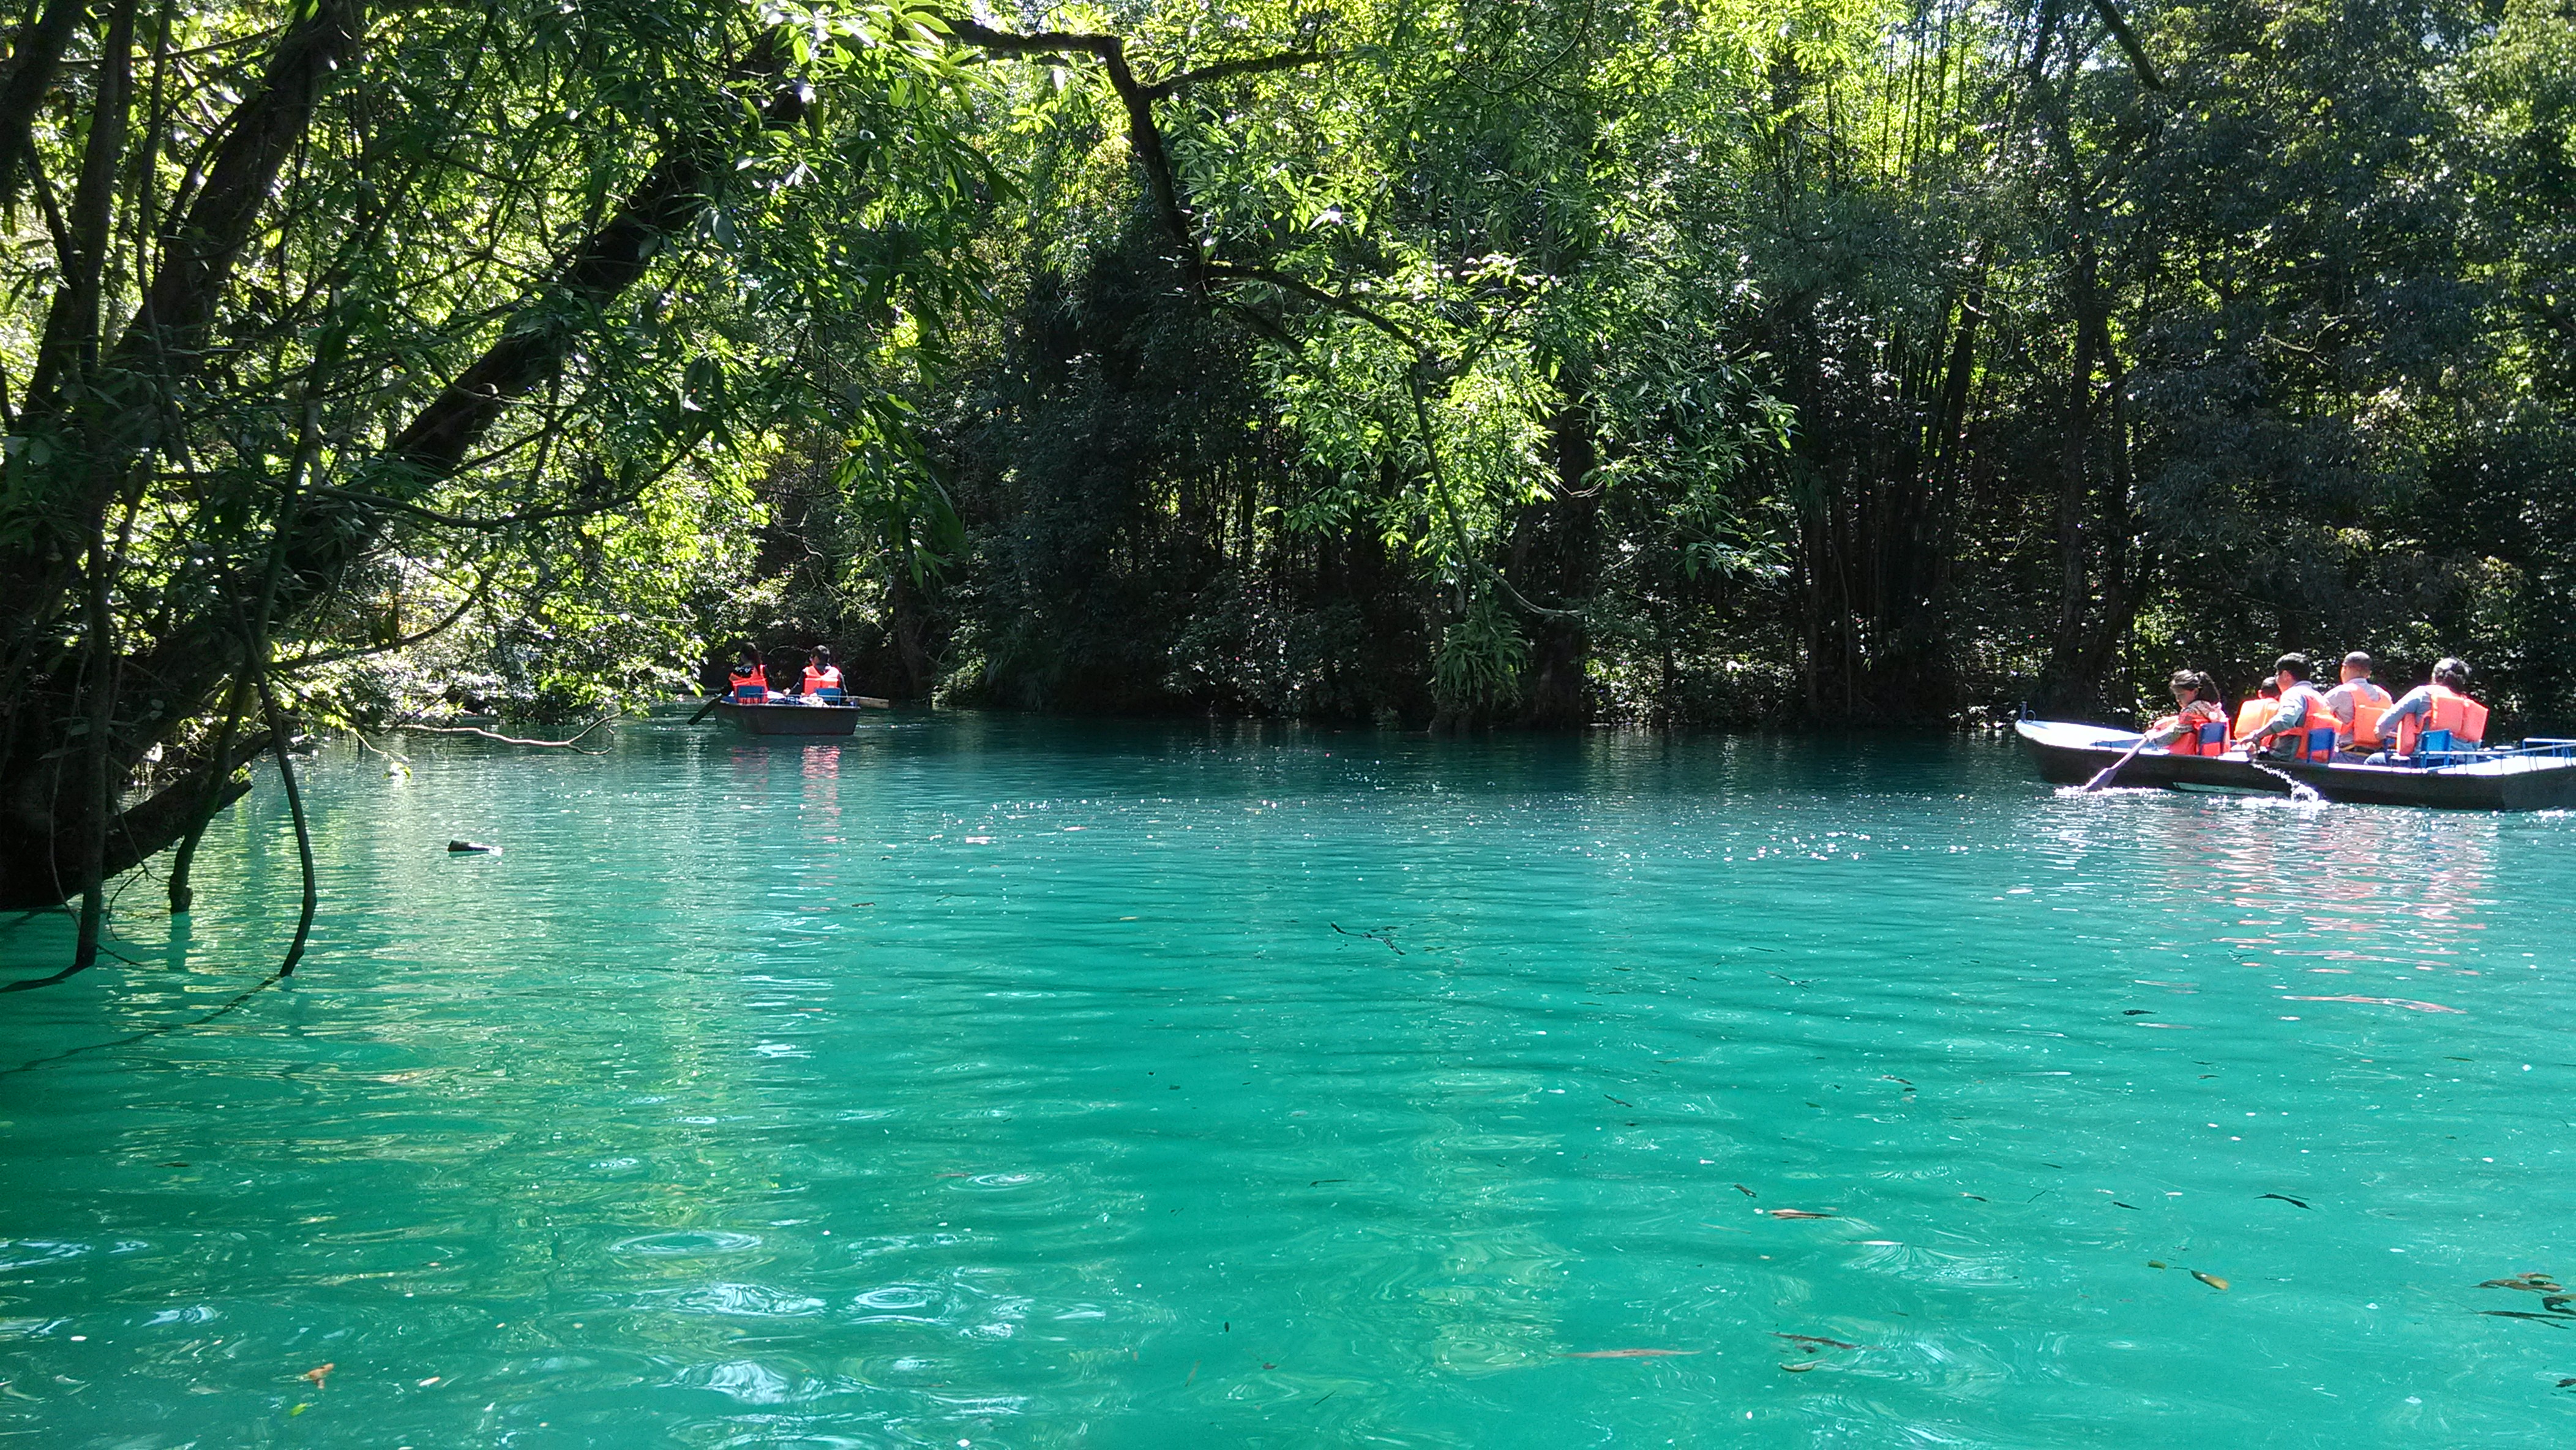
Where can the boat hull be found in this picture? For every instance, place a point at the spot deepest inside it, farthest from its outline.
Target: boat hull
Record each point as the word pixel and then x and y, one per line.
pixel 2070 754
pixel 805 720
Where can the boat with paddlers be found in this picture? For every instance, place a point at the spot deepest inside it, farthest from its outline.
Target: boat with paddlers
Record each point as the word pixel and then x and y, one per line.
pixel 2538 774
pixel 799 715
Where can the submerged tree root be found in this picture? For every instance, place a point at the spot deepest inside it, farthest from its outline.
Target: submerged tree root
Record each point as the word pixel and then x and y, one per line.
pixel 264 983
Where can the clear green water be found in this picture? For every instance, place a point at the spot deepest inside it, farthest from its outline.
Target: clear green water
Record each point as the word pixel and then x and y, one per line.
pixel 993 1083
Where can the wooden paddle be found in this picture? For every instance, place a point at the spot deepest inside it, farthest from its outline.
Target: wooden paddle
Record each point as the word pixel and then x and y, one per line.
pixel 712 702
pixel 2108 771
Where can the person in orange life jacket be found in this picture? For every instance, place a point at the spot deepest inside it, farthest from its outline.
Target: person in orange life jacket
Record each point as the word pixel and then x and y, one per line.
pixel 2442 705
pixel 2303 709
pixel 2195 708
pixel 822 677
pixel 2360 704
pixel 748 682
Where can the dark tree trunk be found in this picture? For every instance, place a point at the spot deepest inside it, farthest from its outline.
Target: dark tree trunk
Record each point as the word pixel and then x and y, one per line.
pixel 51 820
pixel 1554 561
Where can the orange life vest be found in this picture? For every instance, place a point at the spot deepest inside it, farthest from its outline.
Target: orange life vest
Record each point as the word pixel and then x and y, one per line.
pixel 2317 731
pixel 2365 726
pixel 823 682
pixel 2204 729
pixel 2460 720
pixel 751 688
pixel 2252 714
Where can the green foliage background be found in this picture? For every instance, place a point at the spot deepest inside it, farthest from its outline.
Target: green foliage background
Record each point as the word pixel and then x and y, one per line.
pixel 1447 362
pixel 1774 363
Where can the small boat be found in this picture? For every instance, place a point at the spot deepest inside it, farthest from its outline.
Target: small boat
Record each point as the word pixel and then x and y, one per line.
pixel 792 717
pixel 2536 775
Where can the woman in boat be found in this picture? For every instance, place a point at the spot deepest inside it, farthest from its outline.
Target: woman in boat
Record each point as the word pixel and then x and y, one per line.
pixel 2196 708
pixel 2441 709
pixel 822 677
pixel 748 682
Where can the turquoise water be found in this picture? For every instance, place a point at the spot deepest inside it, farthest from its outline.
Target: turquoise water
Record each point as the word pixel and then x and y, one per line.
pixel 994 1083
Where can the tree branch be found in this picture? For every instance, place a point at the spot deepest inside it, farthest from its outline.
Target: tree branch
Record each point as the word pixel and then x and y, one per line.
pixel 169 329
pixel 535 341
pixel 493 523
pixel 1228 69
pixel 332 657
pixel 2128 39
pixel 70 347
pixel 1224 271
pixel 568 743
pixel 1144 135
pixel 35 55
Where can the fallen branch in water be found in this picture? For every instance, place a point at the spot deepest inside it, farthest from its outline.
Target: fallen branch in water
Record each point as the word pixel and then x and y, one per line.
pixel 368 745
pixel 571 742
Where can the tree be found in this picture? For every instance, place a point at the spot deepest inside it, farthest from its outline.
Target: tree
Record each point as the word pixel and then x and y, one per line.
pixel 440 278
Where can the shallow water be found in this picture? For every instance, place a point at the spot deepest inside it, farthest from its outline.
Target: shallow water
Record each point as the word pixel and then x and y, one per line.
pixel 982 1082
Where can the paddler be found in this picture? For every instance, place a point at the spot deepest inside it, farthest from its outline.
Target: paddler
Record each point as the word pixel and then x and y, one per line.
pixel 2195 697
pixel 748 681
pixel 2442 706
pixel 822 677
pixel 2303 710
pixel 2360 704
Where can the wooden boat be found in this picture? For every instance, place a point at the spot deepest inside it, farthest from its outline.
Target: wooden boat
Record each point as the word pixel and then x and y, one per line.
pixel 791 718
pixel 2533 776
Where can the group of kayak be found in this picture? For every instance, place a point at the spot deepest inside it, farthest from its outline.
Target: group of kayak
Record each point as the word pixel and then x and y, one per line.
pixel 748 681
pixel 2354 722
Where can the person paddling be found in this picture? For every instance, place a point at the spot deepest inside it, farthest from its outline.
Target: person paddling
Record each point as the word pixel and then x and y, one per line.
pixel 2438 716
pixel 2291 731
pixel 748 680
pixel 2196 707
pixel 822 677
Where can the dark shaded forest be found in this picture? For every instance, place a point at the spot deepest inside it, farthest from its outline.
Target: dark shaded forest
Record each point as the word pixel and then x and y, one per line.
pixel 1855 366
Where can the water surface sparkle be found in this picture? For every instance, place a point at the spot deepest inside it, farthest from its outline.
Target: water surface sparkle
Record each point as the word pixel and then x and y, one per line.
pixel 997 1083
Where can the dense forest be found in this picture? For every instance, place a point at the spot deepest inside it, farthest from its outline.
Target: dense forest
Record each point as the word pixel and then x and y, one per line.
pixel 1452 363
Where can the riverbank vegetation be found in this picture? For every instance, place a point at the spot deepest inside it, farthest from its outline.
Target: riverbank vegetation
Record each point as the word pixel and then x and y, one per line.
pixel 1455 363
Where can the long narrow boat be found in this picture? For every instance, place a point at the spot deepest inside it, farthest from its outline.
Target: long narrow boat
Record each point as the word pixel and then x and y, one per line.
pixel 2537 775
pixel 791 719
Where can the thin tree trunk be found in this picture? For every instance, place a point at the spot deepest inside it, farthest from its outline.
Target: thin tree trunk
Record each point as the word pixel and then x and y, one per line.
pixel 96 804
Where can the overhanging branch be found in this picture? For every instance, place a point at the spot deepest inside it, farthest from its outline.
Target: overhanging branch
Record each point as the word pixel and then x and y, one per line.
pixel 1144 134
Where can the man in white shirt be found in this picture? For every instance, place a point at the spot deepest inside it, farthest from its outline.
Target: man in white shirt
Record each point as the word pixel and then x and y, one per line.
pixel 2357 690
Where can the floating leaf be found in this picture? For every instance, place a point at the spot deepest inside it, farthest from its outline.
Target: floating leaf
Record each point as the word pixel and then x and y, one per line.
pixel 1801 1367
pixel 317 1374
pixel 1794 1213
pixel 2212 1280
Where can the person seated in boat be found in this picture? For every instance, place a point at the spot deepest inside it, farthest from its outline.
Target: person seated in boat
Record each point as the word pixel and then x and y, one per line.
pixel 822 677
pixel 748 681
pixel 2198 725
pixel 2439 715
pixel 2360 704
pixel 2302 727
